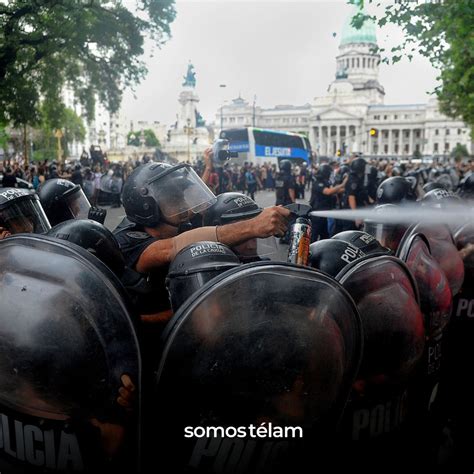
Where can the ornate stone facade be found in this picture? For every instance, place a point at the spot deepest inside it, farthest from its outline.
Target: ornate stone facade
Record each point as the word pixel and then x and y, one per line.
pixel 341 121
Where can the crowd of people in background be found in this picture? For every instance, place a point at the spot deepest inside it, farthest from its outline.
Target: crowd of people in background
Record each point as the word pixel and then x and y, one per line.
pixel 103 175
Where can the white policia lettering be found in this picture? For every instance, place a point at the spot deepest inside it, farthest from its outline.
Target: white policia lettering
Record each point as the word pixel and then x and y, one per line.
pixel 379 419
pixel 465 307
pixel 236 455
pixel 38 447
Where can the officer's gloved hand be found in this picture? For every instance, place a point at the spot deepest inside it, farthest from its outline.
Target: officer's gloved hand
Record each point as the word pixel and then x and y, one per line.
pixel 97 214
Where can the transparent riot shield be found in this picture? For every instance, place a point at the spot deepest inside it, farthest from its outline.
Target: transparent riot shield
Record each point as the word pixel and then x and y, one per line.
pixel 443 250
pixel 427 416
pixel 387 298
pixel 267 346
pixel 458 357
pixel 66 342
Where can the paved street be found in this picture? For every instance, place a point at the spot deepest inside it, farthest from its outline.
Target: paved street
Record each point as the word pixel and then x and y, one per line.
pixel 263 198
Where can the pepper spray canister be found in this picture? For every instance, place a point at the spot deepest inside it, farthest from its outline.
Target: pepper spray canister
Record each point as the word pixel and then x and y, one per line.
pixel 300 239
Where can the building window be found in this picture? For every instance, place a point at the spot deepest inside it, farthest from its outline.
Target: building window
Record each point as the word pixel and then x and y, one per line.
pixel 417 147
pixel 385 134
pixel 459 131
pixel 407 148
pixel 446 147
pixel 447 131
pixel 232 120
pixel 363 62
pixel 407 133
pixel 294 120
pixel 436 148
pixel 396 133
pixel 395 117
pixel 417 134
pixel 385 149
pixel 406 116
pixel 357 62
pixel 396 148
pixel 353 62
pixel 385 117
pixel 436 132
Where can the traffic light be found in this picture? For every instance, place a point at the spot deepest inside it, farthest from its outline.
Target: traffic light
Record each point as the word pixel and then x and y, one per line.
pixel 373 132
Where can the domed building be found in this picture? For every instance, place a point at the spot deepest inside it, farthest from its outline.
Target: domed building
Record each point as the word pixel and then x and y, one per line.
pixel 340 122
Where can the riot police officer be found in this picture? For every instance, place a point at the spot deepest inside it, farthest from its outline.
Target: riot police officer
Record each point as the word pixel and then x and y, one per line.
pixel 21 212
pixel 323 198
pixel 63 200
pixel 159 201
pixel 285 189
pixel 285 184
pixel 355 194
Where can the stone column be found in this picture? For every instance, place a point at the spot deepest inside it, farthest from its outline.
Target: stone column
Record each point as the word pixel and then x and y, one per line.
pixel 412 135
pixel 379 142
pixel 400 141
pixel 338 138
pixel 390 144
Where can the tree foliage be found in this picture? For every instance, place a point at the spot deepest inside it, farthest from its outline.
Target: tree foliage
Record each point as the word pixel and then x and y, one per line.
pixel 459 152
pixel 133 138
pixel 442 31
pixel 92 46
pixel 71 125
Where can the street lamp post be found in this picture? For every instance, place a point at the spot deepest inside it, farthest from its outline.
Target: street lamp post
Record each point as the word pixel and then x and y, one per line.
pixel 222 86
pixel 58 134
pixel 188 130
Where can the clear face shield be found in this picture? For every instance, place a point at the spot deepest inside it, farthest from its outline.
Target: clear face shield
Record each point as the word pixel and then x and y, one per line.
pixel 77 203
pixel 24 216
pixel 180 194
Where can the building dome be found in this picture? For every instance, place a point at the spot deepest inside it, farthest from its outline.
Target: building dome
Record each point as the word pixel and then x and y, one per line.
pixel 366 34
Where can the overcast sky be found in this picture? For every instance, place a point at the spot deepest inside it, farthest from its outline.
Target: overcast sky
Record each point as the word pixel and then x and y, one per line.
pixel 281 51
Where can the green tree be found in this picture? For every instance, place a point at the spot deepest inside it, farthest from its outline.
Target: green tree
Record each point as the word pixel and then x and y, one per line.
pixel 92 46
pixel 417 154
pixel 72 126
pixel 133 138
pixel 459 152
pixel 442 32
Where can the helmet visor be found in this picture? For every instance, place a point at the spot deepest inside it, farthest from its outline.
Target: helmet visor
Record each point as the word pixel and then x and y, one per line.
pixel 78 203
pixel 24 216
pixel 180 191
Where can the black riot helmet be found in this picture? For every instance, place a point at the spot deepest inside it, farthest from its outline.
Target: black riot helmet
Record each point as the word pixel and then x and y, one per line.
pixel 324 171
pixel 194 266
pixel 21 212
pixel 440 198
pixel 358 166
pixel 362 240
pixel 432 185
pixel 159 192
pixel 230 207
pixel 393 190
pixel 331 256
pixel 467 187
pixel 63 200
pixel 285 166
pixel 93 237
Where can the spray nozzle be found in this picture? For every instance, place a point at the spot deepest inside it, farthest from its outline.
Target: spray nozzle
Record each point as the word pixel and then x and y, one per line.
pixel 300 210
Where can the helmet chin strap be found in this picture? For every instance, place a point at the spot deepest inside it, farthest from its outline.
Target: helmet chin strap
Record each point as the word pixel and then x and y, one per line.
pixel 182 226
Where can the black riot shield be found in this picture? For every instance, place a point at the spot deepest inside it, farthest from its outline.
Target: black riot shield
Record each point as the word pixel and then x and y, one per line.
pixel 443 250
pixel 428 417
pixel 66 341
pixel 259 363
pixel 387 298
pixel 458 360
